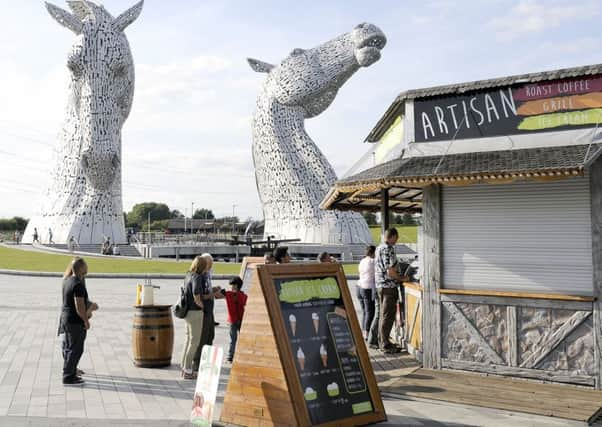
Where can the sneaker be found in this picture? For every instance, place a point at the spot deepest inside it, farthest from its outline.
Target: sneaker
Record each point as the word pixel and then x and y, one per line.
pixel 373 346
pixel 75 381
pixel 189 376
pixel 390 350
pixel 215 323
pixel 229 360
pixel 79 372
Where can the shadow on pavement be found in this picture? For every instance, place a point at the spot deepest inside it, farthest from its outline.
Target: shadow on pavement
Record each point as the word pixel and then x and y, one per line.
pixel 401 421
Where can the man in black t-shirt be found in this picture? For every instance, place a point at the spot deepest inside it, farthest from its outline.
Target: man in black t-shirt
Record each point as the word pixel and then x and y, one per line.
pixel 74 322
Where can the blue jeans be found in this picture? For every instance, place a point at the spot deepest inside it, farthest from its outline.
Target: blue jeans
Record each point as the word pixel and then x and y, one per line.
pixel 365 297
pixel 234 329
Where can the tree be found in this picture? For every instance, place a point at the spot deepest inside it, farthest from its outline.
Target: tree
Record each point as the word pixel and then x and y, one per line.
pixel 14 223
pixel 176 214
pixel 203 214
pixel 408 219
pixel 138 216
pixel 370 218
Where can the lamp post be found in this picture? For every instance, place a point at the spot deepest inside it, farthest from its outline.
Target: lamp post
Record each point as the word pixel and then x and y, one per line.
pixel 233 220
pixel 191 217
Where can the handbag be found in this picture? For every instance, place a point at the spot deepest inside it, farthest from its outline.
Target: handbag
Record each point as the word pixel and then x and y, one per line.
pixel 180 310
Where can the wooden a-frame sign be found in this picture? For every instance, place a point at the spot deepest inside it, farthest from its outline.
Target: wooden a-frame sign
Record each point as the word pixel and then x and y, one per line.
pixel 300 358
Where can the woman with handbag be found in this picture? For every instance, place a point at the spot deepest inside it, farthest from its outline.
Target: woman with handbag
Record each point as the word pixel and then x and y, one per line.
pixel 195 283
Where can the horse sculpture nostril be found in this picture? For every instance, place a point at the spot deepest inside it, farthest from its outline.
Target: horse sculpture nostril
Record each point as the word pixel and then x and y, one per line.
pixel 84 162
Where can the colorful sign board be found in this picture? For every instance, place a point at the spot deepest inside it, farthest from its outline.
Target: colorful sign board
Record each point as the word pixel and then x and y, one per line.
pixel 203 403
pixel 325 360
pixel 545 106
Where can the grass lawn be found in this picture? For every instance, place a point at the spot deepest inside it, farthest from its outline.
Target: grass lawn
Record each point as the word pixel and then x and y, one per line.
pixel 407 233
pixel 18 259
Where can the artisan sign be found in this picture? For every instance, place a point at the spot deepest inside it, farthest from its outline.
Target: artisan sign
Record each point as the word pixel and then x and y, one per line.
pixel 535 107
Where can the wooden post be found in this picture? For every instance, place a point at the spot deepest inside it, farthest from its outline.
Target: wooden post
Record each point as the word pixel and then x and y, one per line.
pixel 512 325
pixel 596 209
pixel 384 212
pixel 431 307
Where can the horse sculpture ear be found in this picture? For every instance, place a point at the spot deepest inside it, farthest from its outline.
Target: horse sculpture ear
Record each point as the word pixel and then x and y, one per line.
pixel 259 66
pixel 126 18
pixel 65 18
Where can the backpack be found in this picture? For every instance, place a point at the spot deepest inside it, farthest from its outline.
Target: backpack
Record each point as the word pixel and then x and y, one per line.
pixel 180 310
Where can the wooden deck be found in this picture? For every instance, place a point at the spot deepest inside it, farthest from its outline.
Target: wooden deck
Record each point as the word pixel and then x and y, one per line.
pixel 402 375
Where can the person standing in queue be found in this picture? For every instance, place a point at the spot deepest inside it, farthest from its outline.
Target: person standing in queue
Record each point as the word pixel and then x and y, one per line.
pixel 326 258
pixel 366 289
pixel 210 293
pixel 268 258
pixel 281 255
pixel 74 321
pixel 387 281
pixel 195 284
pixel 236 300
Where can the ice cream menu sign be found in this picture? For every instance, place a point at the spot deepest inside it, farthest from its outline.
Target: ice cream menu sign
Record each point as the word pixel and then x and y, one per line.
pixel 321 339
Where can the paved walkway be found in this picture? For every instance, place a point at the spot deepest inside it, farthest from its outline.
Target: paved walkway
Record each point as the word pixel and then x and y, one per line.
pixel 31 392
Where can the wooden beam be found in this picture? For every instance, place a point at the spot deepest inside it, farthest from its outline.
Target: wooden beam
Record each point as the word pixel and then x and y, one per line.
pixel 511 326
pixel 412 285
pixel 384 211
pixel 431 254
pixel 552 341
pixel 595 180
pixel 413 324
pixel 474 333
pixel 555 376
pixel 516 294
pixel 520 302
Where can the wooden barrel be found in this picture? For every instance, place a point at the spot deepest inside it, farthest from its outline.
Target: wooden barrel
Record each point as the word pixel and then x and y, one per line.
pixel 152 336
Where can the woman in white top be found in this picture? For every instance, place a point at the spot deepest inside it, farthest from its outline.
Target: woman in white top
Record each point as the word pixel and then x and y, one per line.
pixel 366 289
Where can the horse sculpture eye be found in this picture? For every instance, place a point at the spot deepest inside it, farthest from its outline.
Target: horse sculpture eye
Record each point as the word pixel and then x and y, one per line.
pixel 120 70
pixel 75 68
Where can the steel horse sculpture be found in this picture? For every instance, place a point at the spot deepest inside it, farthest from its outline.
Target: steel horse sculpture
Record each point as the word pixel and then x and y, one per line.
pixel 291 172
pixel 84 196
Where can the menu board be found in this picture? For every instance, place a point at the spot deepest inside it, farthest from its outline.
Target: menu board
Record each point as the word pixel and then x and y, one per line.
pixel 331 371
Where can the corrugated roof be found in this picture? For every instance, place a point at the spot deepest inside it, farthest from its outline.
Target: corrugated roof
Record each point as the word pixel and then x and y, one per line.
pixel 524 160
pixel 361 191
pixel 458 88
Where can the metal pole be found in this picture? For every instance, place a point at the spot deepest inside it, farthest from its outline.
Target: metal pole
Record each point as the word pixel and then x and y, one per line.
pixel 233 220
pixel 149 223
pixel 191 217
pixel 384 211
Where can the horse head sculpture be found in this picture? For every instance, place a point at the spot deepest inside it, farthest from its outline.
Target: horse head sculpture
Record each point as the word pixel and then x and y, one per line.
pixel 102 84
pixel 311 78
pixel 292 174
pixel 83 200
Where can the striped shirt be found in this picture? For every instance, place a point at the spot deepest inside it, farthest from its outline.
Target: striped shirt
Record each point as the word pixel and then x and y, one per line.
pixel 384 259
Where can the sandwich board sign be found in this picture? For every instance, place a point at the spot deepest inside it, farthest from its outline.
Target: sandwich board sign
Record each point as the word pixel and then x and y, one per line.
pixel 303 360
pixel 205 392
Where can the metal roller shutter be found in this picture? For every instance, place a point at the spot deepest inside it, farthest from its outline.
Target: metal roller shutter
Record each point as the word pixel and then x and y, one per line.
pixel 527 237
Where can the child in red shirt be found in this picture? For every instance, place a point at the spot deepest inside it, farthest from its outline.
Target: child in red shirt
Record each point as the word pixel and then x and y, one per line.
pixel 235 302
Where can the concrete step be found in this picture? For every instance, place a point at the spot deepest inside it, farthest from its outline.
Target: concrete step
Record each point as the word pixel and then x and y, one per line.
pixel 124 250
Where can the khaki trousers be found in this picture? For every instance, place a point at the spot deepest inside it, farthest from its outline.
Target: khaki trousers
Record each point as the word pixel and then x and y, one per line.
pixel 194 327
pixel 388 298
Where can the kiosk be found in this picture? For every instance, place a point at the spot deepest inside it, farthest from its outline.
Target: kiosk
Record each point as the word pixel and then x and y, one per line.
pixel 508 176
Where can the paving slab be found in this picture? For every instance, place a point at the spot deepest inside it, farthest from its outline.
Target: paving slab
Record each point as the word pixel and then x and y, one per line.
pixel 116 392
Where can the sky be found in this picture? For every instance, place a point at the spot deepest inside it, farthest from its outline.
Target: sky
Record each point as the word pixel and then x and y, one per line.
pixel 188 137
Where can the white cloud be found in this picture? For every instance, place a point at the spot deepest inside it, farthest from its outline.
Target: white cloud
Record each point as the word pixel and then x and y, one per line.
pixel 534 16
